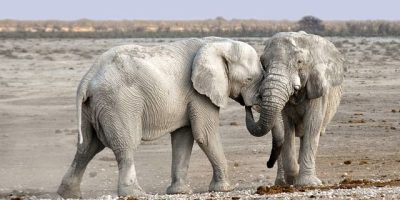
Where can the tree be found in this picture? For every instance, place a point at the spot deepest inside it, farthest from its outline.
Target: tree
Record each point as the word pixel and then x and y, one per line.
pixel 311 24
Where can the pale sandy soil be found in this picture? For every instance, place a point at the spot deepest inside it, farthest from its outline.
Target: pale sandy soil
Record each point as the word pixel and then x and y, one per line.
pixel 38 80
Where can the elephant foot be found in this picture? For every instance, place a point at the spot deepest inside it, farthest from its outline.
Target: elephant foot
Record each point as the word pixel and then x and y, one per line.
pixel 310 180
pixel 280 181
pixel 179 188
pixel 290 180
pixel 131 191
pixel 220 186
pixel 67 191
pixel 280 178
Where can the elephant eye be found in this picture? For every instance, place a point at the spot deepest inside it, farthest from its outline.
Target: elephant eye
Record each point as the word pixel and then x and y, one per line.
pixel 247 81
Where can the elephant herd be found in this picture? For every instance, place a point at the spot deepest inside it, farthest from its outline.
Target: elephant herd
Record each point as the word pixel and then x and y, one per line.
pixel 138 93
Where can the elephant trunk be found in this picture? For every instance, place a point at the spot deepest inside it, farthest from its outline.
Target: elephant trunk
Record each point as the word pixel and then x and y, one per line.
pixel 274 97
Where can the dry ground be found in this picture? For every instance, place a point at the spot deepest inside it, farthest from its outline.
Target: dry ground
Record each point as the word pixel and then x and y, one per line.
pixel 38 80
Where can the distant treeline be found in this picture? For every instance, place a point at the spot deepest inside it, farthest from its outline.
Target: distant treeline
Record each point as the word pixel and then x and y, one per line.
pixel 218 27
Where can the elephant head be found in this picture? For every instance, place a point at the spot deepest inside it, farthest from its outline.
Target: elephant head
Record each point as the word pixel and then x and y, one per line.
pixel 225 68
pixel 297 66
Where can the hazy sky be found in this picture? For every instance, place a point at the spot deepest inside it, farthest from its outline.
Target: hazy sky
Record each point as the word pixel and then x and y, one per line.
pixel 200 9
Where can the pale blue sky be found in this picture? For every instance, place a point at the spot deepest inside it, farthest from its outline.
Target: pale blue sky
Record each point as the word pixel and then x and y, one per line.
pixel 200 9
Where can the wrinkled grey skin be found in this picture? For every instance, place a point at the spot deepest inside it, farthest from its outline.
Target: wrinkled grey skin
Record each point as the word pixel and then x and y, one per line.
pixel 134 93
pixel 302 86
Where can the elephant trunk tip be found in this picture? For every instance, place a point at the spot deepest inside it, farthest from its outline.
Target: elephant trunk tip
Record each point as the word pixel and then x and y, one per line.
pixel 270 163
pixel 275 152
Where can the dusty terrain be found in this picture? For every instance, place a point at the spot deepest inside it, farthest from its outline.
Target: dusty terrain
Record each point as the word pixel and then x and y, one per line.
pixel 38 132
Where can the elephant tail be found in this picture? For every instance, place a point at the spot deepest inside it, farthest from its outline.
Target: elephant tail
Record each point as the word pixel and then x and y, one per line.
pixel 81 97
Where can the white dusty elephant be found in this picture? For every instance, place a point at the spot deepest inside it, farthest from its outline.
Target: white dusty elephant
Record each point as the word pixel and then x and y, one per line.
pixel 134 93
pixel 302 89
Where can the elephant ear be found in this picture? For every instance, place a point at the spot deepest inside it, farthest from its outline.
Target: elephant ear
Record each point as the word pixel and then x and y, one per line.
pixel 328 72
pixel 210 72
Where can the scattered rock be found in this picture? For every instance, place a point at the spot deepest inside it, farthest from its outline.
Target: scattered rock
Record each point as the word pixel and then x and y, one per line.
pixel 393 128
pixel 347 162
pixel 357 121
pixel 363 162
pixel 58 131
pixel 236 164
pixel 344 175
pixel 234 124
pixel 393 110
pixel 92 174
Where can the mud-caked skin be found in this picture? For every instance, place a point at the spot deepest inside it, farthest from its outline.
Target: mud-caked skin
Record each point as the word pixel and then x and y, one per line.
pixel 301 92
pixel 134 93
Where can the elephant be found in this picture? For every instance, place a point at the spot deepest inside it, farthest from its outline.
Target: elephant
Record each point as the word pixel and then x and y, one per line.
pixel 300 95
pixel 136 93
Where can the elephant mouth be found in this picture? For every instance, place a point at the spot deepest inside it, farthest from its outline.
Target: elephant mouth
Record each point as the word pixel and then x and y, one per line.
pixel 239 99
pixel 298 97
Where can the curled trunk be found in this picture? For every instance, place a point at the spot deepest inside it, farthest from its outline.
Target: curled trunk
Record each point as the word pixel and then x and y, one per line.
pixel 274 97
pixel 273 102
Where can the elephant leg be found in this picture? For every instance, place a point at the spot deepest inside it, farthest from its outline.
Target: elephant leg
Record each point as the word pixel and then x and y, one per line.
pixel 123 135
pixel 290 164
pixel 309 143
pixel 70 185
pixel 182 143
pixel 127 181
pixel 280 173
pixel 204 119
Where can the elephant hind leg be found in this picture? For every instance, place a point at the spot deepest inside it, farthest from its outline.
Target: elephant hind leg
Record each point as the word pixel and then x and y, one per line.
pixel 70 185
pixel 122 133
pixel 127 181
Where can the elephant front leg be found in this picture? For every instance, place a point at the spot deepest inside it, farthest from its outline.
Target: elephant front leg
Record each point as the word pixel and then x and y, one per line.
pixel 204 119
pixel 280 173
pixel 289 159
pixel 309 144
pixel 182 143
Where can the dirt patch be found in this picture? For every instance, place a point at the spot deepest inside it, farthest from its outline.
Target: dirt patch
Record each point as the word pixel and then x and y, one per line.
pixel 347 183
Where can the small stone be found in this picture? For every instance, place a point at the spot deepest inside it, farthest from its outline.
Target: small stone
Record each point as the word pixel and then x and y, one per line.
pixel 347 162
pixel 393 128
pixel 234 124
pixel 393 110
pixel 236 164
pixel 58 131
pixel 363 162
pixel 93 174
pixel 344 175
